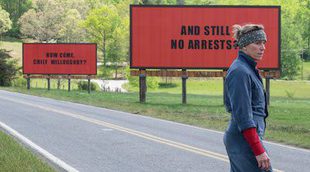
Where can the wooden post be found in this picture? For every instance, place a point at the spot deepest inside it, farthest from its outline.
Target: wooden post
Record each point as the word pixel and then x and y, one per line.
pixel 268 89
pixel 69 83
pixel 58 83
pixel 142 85
pixel 28 81
pixel 224 77
pixel 88 86
pixel 184 78
pixel 48 82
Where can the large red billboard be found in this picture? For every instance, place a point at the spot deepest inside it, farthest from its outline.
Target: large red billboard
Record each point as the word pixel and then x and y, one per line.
pixel 197 37
pixel 62 59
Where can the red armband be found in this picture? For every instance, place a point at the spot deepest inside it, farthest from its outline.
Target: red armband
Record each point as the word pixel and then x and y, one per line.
pixel 251 137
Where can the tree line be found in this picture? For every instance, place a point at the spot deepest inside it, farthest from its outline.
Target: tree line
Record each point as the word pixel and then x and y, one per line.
pixel 106 22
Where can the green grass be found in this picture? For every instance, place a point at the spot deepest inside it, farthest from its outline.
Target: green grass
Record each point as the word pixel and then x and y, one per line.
pixel 306 70
pixel 289 120
pixel 42 83
pixel 214 86
pixel 290 89
pixel 14 157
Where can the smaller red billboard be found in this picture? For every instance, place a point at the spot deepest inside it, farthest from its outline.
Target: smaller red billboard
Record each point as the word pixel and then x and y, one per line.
pixel 62 59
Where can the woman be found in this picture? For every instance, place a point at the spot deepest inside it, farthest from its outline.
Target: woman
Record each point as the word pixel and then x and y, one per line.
pixel 245 100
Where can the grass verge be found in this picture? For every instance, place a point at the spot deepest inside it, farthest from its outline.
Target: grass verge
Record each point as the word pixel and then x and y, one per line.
pixel 14 157
pixel 306 70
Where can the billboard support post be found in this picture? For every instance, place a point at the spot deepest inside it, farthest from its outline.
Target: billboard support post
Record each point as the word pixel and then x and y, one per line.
pixel 58 83
pixel 142 85
pixel 88 86
pixel 224 77
pixel 69 83
pixel 184 78
pixel 48 83
pixel 268 89
pixel 28 81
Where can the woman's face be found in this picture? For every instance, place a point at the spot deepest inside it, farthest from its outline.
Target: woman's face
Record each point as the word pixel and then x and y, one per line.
pixel 255 50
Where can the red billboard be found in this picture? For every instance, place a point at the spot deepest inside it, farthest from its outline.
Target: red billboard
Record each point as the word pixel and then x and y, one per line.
pixel 62 59
pixel 197 37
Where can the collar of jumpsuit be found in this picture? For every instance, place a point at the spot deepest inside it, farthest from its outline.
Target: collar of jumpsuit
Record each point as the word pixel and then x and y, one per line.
pixel 248 59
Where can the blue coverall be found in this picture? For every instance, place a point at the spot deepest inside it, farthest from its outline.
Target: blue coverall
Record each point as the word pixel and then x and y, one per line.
pixel 245 99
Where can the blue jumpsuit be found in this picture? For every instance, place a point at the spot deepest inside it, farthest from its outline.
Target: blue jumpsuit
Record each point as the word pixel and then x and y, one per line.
pixel 246 101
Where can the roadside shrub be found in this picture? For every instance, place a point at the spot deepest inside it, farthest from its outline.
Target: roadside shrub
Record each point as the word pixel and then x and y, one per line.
pixel 306 55
pixel 8 68
pixel 83 85
pixel 151 82
pixel 133 81
pixel 106 72
pixel 167 85
pixel 19 82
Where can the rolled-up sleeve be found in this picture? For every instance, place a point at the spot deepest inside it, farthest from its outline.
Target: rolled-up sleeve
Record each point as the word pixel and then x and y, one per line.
pixel 240 95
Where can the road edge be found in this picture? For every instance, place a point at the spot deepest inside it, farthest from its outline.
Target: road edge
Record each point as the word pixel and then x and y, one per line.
pixel 52 160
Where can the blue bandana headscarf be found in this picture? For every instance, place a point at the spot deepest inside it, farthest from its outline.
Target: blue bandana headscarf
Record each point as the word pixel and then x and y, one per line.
pixel 251 37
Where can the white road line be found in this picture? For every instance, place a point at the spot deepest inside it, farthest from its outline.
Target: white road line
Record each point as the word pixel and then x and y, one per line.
pixel 37 148
pixel 178 145
pixel 107 129
pixel 287 146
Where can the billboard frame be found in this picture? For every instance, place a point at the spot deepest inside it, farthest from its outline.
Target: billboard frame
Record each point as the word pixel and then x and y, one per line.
pixel 59 73
pixel 204 6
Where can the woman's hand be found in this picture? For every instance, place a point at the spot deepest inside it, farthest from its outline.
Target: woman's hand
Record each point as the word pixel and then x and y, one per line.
pixel 263 161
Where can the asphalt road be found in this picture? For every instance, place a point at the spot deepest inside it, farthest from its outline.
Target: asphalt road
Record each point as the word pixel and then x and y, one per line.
pixel 96 139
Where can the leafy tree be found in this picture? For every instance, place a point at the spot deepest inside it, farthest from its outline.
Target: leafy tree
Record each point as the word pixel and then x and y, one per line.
pixel 108 26
pixel 69 30
pixel 8 68
pixel 305 19
pixel 42 22
pixel 75 11
pixel 294 31
pixel 121 36
pixel 292 40
pixel 158 2
pixel 5 22
pixel 100 24
pixel 55 20
pixel 92 4
pixel 116 52
pixel 15 8
pixel 199 2
pixel 82 6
